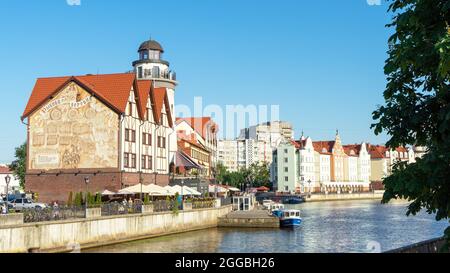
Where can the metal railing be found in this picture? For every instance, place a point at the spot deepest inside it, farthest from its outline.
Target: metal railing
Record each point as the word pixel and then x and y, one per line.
pixel 117 208
pixel 225 201
pixel 52 214
pixel 164 205
pixel 203 203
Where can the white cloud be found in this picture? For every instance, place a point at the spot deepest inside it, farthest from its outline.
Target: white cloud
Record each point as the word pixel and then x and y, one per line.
pixel 73 2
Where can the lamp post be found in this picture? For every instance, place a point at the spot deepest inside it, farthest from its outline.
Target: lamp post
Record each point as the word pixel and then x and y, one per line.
pixel 140 182
pixel 309 185
pixel 182 188
pixel 7 180
pixel 86 181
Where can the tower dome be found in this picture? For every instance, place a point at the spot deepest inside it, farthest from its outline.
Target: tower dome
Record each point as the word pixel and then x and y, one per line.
pixel 151 45
pixel 151 64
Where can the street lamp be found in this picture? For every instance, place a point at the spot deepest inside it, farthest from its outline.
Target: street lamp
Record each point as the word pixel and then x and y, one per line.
pixel 182 187
pixel 86 181
pixel 309 185
pixel 140 182
pixel 7 180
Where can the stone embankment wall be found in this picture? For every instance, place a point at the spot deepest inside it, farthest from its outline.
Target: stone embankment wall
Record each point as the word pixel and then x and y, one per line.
pixel 60 236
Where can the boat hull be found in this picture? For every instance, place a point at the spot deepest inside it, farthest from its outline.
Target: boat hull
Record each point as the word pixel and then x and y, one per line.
pixel 290 222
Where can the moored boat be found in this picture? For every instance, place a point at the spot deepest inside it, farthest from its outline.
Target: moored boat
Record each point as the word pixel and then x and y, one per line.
pixel 290 218
pixel 293 200
pixel 266 203
pixel 276 209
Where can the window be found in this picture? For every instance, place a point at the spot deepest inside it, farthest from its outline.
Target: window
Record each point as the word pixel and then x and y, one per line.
pixel 161 142
pixel 130 108
pixel 126 162
pixel 150 162
pixel 286 160
pixel 286 169
pixel 285 151
pixel 286 178
pixel 146 139
pixel 144 162
pixel 140 72
pixel 133 160
pixel 130 135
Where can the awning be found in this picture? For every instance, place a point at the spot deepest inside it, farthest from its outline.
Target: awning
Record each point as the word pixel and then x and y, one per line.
pixel 106 192
pixel 233 189
pixel 185 190
pixel 186 162
pixel 220 189
pixel 152 189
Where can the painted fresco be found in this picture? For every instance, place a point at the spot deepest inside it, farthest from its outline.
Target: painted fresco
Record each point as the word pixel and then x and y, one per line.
pixel 72 131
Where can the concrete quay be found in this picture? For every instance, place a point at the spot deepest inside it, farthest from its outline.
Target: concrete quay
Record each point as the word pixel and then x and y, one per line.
pixel 378 195
pixel 249 219
pixel 73 235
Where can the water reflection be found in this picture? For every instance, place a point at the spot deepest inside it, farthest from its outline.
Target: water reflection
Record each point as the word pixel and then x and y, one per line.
pixel 346 226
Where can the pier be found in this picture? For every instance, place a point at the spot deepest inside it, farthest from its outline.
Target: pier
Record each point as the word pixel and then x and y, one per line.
pixel 256 218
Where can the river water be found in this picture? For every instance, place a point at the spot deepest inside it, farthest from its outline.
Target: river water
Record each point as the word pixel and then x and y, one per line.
pixel 344 226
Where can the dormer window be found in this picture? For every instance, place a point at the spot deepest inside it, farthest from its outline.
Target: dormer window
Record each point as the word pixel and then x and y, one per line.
pixel 154 54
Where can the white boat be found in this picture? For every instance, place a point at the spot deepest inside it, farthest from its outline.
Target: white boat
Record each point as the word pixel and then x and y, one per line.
pixel 290 218
pixel 276 209
pixel 266 203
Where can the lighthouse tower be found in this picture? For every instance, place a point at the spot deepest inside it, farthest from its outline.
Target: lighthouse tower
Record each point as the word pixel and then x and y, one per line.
pixel 152 66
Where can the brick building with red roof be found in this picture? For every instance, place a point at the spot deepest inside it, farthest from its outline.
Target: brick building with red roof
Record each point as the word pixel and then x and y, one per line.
pixel 115 129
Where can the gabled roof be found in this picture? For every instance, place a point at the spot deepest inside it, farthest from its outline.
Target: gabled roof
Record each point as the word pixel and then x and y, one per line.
pixel 199 124
pixel 112 89
pixel 5 170
pixel 323 147
pixel 377 151
pixel 356 148
pixel 143 91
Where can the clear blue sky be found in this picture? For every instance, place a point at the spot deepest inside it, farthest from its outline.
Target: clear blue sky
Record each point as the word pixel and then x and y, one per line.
pixel 321 61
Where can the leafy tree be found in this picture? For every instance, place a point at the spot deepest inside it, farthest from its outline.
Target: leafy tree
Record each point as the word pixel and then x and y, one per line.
pixel 222 173
pixel 147 200
pixel 78 199
pixel 417 104
pixel 70 199
pixel 98 199
pixel 18 166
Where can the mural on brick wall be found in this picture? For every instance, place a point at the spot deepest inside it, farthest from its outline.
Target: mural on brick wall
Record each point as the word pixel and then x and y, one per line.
pixel 73 130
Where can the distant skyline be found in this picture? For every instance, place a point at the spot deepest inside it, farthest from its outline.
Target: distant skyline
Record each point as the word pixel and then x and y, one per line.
pixel 320 61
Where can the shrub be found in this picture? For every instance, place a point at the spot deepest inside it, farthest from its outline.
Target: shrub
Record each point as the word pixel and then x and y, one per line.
pixel 70 199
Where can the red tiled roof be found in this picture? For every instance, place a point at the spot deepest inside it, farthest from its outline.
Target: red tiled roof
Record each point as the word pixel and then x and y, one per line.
pixel 143 91
pixel 5 170
pixel 193 143
pixel 377 151
pixel 319 146
pixel 356 148
pixel 112 89
pixel 299 143
pixel 199 124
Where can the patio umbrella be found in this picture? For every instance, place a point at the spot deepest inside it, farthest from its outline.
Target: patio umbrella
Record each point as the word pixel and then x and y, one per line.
pixel 106 192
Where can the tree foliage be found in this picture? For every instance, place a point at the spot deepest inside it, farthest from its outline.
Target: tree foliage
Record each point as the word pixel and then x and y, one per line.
pixel 417 103
pixel 257 175
pixel 18 166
